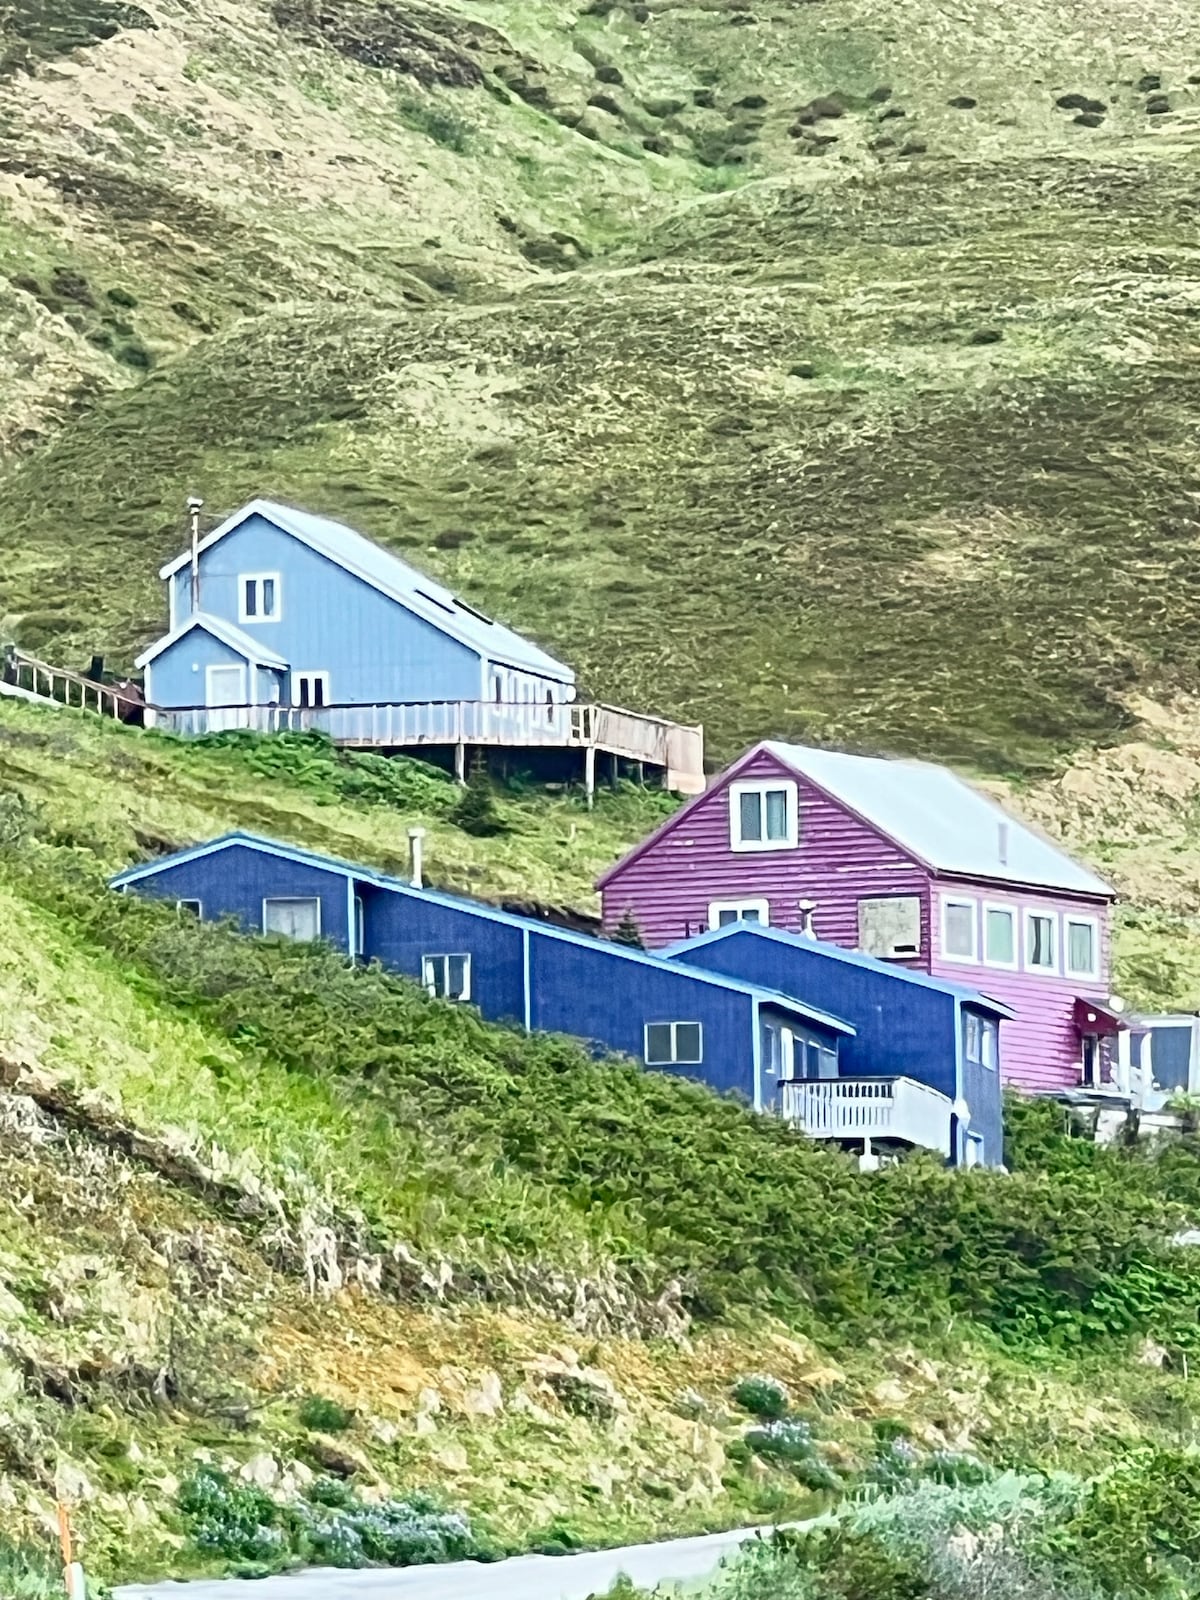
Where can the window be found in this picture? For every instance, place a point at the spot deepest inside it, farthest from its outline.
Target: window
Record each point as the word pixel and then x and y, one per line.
pixel 1081 940
pixel 973 1155
pixel 189 908
pixel 982 1040
pixel 258 597
pixel 447 977
pixel 295 918
pixel 1040 952
pixel 762 816
pixel 889 926
pixel 310 689
pixel 722 912
pixel 1000 936
pixel 673 1044
pixel 358 925
pixel 960 930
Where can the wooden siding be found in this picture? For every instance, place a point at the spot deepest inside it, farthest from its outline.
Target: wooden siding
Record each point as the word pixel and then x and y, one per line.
pixel 838 860
pixel 1041 1046
pixel 399 929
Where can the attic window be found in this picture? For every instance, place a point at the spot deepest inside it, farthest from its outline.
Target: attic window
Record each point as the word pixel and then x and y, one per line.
pixel 259 595
pixel 762 816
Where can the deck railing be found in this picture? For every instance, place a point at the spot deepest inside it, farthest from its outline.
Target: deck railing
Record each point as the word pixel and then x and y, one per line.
pixel 403 724
pixel 24 677
pixel 870 1108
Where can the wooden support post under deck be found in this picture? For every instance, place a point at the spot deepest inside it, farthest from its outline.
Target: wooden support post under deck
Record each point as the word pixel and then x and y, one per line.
pixel 615 770
pixel 460 763
pixel 589 774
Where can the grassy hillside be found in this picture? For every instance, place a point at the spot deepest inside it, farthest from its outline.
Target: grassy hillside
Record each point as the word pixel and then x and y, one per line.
pixel 305 1233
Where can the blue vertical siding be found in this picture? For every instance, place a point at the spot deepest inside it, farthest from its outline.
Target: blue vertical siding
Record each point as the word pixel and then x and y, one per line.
pixel 597 993
pixel 373 648
pixel 399 929
pixel 235 882
pixel 177 675
pixel 981 1088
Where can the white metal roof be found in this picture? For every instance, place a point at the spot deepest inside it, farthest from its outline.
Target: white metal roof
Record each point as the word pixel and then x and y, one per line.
pixel 941 819
pixel 395 578
pixel 250 649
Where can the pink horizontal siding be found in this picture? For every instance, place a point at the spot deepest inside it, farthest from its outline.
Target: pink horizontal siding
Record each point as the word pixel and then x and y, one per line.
pixel 838 861
pixel 1040 1048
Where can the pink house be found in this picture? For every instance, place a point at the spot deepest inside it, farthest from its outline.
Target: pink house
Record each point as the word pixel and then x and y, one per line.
pixel 906 862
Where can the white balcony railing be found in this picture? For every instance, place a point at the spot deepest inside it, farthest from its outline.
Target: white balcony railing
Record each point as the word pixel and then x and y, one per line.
pixel 870 1108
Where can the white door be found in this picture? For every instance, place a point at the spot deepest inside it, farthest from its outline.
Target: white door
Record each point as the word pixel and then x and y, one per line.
pixel 225 687
pixel 296 918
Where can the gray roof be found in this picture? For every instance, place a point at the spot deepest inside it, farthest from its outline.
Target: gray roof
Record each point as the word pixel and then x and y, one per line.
pixel 395 578
pixel 941 819
pixel 250 649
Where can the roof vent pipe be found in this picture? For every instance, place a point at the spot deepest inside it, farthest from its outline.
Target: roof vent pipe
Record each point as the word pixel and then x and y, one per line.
pixel 416 854
pixel 806 908
pixel 195 505
pixel 1002 843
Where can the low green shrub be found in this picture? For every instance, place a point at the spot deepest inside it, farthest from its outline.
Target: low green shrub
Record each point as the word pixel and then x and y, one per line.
pixel 323 1415
pixel 762 1396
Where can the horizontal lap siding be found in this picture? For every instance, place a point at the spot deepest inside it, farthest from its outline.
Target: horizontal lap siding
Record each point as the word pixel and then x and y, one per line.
pixel 838 861
pixel 598 994
pixel 1040 1048
pixel 399 930
pixel 234 883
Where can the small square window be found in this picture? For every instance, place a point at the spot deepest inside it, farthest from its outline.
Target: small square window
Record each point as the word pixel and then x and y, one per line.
pixel 1040 944
pixel 721 913
pixel 671 1044
pixel 762 816
pixel 447 977
pixel 189 908
pixel 1000 936
pixel 295 918
pixel 258 597
pixel 1082 939
pixel 959 930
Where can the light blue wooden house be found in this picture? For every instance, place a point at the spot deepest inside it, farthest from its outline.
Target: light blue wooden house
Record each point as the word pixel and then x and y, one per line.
pixel 281 619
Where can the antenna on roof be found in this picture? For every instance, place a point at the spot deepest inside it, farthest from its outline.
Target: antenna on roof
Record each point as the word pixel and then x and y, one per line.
pixel 195 506
pixel 1002 843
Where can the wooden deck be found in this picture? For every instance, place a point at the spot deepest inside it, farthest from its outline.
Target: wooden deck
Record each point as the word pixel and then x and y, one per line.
pixel 868 1109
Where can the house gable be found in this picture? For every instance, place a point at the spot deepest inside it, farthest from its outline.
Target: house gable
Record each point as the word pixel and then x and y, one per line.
pixel 671 880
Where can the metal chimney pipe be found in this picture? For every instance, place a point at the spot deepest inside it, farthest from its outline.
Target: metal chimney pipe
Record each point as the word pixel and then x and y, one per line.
pixel 1002 843
pixel 195 505
pixel 806 908
pixel 416 853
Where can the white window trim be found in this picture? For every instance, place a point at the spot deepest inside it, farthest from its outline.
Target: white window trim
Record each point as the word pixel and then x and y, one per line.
pixel 961 900
pixel 296 677
pixel 761 786
pixel 427 983
pixel 191 900
pixel 358 924
pixel 715 908
pixel 224 666
pixel 291 899
pixel 1070 919
pixel 1027 965
pixel 674 1027
pixel 1014 913
pixel 257 577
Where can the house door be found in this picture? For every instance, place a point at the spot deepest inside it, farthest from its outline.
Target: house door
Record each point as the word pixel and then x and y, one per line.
pixel 1092 1061
pixel 225 693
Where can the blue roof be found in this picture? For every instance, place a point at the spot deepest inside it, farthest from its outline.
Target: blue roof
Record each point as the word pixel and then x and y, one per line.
pixel 249 649
pixel 396 579
pixel 941 819
pixel 848 958
pixel 382 880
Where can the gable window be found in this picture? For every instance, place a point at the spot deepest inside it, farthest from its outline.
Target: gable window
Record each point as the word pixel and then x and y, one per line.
pixel 673 1044
pixel 1000 936
pixel 722 912
pixel 310 690
pixel 447 977
pixel 1041 953
pixel 258 597
pixel 960 930
pixel 189 908
pixel 982 1040
pixel 1081 946
pixel 889 926
pixel 762 816
pixel 295 917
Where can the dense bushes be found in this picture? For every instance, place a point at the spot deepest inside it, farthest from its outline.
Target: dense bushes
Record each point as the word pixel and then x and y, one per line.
pixel 1074 1245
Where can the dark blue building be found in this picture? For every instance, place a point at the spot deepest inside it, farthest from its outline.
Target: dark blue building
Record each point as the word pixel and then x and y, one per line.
pixel 697 1022
pixel 908 1029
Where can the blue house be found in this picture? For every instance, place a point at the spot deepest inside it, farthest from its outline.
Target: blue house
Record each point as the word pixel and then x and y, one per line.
pixel 278 607
pixel 923 1063
pixel 675 1018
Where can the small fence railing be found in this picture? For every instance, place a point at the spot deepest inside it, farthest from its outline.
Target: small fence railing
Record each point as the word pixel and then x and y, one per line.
pixel 25 677
pixel 870 1108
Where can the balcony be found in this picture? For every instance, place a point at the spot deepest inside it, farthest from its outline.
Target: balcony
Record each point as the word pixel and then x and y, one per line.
pixel 900 1110
pixel 672 748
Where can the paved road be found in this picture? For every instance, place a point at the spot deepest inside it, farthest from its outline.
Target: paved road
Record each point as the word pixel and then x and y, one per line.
pixel 676 1561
